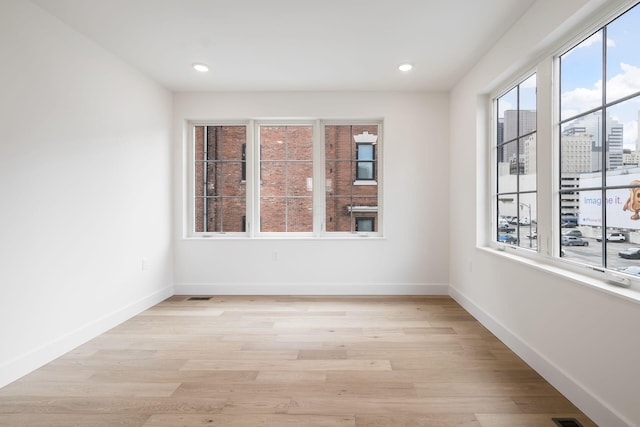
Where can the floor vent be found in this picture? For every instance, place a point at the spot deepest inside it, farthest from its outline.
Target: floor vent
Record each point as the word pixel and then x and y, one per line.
pixel 198 298
pixel 566 422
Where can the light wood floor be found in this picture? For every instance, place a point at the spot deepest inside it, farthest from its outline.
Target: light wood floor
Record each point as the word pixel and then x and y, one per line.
pixel 290 361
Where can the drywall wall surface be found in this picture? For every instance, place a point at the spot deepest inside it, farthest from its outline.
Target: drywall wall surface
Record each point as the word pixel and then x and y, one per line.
pixel 580 338
pixel 85 189
pixel 412 255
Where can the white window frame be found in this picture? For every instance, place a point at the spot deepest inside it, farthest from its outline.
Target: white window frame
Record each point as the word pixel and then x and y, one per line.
pixel 252 229
pixel 547 257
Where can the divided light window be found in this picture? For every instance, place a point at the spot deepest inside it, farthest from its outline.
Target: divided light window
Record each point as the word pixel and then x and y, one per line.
pixel 351 190
pixel 220 193
pixel 257 178
pixel 515 154
pixel 599 185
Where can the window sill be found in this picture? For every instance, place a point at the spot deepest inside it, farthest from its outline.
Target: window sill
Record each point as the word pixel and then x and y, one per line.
pixel 365 182
pixel 340 236
pixel 564 270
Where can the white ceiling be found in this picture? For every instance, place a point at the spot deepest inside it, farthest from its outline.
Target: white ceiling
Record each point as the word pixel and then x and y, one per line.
pixel 294 44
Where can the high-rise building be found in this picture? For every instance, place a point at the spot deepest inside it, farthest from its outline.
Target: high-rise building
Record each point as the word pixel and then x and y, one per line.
pixel 591 126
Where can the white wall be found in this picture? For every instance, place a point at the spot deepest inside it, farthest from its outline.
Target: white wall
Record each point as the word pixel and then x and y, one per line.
pixel 583 340
pixel 85 189
pixel 415 157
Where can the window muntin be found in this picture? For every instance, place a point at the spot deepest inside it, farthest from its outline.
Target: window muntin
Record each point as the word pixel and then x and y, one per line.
pixel 515 154
pixel 599 168
pixel 255 178
pixel 347 193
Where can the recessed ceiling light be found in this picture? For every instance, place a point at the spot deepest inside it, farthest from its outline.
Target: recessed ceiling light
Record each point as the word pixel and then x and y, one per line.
pixel 203 68
pixel 405 67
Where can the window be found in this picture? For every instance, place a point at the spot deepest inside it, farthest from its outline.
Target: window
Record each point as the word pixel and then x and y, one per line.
pixel 515 154
pixel 220 196
pixel 599 147
pixel 350 174
pixel 366 163
pixel 286 163
pixel 364 224
pixel 257 178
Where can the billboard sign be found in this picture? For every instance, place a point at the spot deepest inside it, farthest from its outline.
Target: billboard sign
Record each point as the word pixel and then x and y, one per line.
pixel 623 205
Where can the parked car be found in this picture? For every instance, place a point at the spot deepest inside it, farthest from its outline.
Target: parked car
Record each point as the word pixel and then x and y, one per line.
pixel 633 269
pixel 533 235
pixel 573 241
pixel 568 225
pixel 574 233
pixel 506 228
pixel 630 253
pixel 507 238
pixel 613 237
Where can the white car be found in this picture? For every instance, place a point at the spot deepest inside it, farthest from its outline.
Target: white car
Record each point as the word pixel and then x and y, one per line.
pixel 613 237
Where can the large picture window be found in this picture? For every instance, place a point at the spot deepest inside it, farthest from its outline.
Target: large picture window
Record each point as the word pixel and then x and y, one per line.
pixel 257 178
pixel 599 186
pixel 515 154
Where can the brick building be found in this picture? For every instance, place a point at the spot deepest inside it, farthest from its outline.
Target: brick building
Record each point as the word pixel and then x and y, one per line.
pixel 286 178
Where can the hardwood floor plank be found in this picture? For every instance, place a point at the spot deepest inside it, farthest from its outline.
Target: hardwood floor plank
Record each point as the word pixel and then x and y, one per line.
pixel 253 420
pixel 287 365
pixel 393 406
pixel 431 420
pixel 290 361
pixel 72 420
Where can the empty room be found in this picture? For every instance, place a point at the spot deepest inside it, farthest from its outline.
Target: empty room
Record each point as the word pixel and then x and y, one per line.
pixel 324 213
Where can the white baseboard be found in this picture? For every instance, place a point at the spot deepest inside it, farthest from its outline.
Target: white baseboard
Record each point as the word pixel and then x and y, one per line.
pixel 44 354
pixel 311 289
pixel 579 395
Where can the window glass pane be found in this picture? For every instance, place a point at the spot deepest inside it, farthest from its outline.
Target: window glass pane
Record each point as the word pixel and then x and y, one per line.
pixel 581 147
pixel 365 170
pixel 299 214
pixel 273 214
pixel 508 167
pixel 622 134
pixel 623 228
pixel 507 114
pixel 578 240
pixel 581 77
pixel 365 152
pixel 507 219
pixel 623 224
pixel 364 225
pixel 527 221
pixel 623 56
pixel 338 217
pixel 527 168
pixel 528 99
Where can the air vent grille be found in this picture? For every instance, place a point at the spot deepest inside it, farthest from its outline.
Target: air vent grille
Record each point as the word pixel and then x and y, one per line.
pixel 198 298
pixel 566 422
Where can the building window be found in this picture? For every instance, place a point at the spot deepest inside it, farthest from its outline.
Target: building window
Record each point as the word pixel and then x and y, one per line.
pixel 599 146
pixel 350 175
pixel 258 178
pixel 365 224
pixel 515 154
pixel 365 165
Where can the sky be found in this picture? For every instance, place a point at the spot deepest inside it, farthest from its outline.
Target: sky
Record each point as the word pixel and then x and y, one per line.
pixel 582 74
